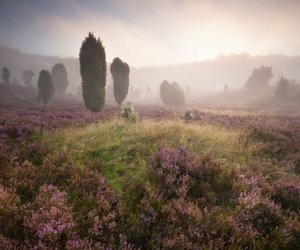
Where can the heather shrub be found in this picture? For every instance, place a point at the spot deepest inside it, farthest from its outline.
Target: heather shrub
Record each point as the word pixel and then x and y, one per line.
pixel 291 231
pixel 287 194
pixel 49 219
pixel 256 217
pixel 24 178
pixel 180 174
pixel 170 169
pixel 6 243
pixel 10 215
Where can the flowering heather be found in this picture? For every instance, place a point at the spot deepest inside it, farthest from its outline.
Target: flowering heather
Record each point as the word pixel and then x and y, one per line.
pixel 256 216
pixel 50 219
pixel 64 199
pixel 287 194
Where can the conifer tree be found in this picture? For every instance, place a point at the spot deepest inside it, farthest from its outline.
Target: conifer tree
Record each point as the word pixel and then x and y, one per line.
pixel 93 72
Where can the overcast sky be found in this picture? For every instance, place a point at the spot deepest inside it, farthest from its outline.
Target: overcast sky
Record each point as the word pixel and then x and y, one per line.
pixel 154 32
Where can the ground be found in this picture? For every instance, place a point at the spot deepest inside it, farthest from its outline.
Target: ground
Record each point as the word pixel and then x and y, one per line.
pixel 229 178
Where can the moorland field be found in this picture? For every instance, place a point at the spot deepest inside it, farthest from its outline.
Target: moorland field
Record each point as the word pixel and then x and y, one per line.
pixel 73 179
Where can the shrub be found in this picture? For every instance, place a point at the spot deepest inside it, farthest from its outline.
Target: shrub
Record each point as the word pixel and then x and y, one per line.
pixel 287 194
pixel 45 86
pixel 120 74
pixel 128 114
pixel 93 73
pixel 171 93
pixel 27 77
pixel 256 216
pixel 60 78
pixel 281 91
pixel 6 75
pixel 49 218
pixel 259 80
pixel 188 116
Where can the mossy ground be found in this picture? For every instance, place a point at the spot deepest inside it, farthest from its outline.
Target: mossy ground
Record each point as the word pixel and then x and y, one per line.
pixel 122 151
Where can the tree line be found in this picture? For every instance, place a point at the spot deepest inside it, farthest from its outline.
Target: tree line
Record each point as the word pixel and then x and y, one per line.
pixel 93 70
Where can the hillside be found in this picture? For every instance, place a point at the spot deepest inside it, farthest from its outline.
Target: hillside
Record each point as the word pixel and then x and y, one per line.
pixel 201 76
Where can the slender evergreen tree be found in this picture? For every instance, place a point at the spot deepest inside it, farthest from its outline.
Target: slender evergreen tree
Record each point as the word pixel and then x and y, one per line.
pixel 60 78
pixel 45 86
pixel 120 74
pixel 93 72
pixel 6 75
pixel 27 77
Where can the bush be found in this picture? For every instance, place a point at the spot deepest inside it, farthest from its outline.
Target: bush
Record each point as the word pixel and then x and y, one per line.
pixel 60 78
pixel 6 75
pixel 259 80
pixel 171 93
pixel 120 74
pixel 49 218
pixel 93 73
pixel 287 194
pixel 281 91
pixel 45 86
pixel 128 114
pixel 188 116
pixel 27 77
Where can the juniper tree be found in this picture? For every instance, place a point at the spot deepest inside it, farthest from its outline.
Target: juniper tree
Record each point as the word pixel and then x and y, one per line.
pixel 6 75
pixel 93 72
pixel 45 86
pixel 171 93
pixel 27 77
pixel 120 74
pixel 281 91
pixel 59 78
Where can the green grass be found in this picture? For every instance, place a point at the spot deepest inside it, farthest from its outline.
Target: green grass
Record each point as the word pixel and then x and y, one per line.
pixel 122 151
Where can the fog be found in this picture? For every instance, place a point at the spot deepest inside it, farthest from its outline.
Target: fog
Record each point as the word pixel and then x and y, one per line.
pixel 201 45
pixel 153 33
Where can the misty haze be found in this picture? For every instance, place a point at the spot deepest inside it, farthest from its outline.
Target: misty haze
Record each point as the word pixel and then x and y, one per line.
pixel 149 124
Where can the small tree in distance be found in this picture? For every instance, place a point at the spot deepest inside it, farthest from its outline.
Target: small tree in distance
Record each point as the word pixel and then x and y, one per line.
pixel 259 80
pixel 60 78
pixel 92 60
pixel 6 75
pixel 281 91
pixel 171 93
pixel 45 86
pixel 120 74
pixel 27 77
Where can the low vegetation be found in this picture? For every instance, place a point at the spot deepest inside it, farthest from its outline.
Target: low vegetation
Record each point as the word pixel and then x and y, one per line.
pixel 94 180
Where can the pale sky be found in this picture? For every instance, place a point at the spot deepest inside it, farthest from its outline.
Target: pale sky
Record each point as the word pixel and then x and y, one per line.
pixel 154 32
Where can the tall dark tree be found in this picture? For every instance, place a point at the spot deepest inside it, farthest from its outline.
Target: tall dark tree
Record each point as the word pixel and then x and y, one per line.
pixel 259 80
pixel 45 86
pixel 171 93
pixel 60 78
pixel 27 77
pixel 6 75
pixel 93 72
pixel 120 74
